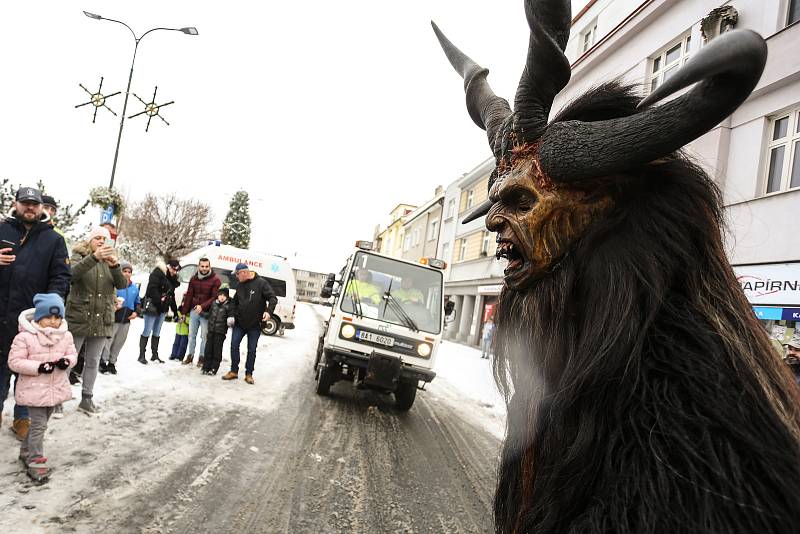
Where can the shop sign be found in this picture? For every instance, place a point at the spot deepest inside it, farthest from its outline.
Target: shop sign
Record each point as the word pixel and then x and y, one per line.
pixel 777 283
pixel 777 314
pixel 490 290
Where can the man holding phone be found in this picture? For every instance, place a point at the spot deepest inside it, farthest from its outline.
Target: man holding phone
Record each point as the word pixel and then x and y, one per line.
pixel 33 259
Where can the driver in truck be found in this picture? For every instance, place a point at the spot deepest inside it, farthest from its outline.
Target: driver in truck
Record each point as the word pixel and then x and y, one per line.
pixel 407 293
pixel 362 288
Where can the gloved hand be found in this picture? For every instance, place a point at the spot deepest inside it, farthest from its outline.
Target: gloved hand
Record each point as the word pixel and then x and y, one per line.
pixel 62 363
pixel 46 368
pixel 231 321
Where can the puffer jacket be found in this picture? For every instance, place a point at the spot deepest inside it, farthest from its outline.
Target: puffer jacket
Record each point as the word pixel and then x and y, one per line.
pixel 42 266
pixel 133 303
pixel 218 317
pixel 201 292
pixel 161 290
pixel 32 347
pixel 92 298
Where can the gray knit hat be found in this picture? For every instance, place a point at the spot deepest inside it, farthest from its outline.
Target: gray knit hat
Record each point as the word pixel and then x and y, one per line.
pixel 125 265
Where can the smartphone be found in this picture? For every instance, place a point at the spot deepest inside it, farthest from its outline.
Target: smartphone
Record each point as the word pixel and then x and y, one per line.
pixel 109 242
pixel 5 243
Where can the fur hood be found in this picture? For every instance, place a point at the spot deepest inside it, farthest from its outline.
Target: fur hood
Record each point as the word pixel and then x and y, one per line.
pixel 46 336
pixel 45 218
pixel 84 248
pixel 161 266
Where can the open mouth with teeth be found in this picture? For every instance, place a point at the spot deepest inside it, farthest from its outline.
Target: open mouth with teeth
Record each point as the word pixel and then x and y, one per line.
pixel 513 253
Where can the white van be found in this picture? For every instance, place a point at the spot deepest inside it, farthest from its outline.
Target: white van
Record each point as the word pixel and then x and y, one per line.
pixel 274 269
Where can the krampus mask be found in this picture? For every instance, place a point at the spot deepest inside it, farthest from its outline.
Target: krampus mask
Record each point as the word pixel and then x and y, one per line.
pixel 542 195
pixel 642 393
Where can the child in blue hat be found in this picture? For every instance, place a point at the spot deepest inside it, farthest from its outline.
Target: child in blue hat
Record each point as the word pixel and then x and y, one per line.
pixel 41 353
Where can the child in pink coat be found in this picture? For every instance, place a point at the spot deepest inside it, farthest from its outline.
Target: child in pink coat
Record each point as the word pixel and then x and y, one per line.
pixel 42 353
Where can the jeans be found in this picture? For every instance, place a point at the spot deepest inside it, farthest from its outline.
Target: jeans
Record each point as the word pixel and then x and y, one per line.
pixel 7 334
pixel 252 342
pixel 196 320
pixel 152 324
pixel 179 347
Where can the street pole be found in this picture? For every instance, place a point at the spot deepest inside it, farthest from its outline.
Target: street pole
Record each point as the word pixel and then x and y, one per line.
pixel 122 119
pixel 189 30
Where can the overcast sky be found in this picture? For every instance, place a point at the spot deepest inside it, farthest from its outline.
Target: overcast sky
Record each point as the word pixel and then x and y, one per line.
pixel 327 113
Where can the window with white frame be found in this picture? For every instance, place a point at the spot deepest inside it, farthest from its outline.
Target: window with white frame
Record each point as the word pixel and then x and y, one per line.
pixel 407 243
pixel 794 12
pixel 415 238
pixel 451 207
pixel 470 198
pixel 589 36
pixel 462 249
pixel 446 252
pixel 433 226
pixel 783 152
pixel 486 243
pixel 666 63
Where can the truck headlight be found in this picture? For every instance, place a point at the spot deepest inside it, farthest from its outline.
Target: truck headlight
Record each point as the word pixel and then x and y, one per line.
pixel 424 350
pixel 348 331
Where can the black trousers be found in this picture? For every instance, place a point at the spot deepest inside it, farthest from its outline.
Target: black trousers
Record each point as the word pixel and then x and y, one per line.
pixel 213 355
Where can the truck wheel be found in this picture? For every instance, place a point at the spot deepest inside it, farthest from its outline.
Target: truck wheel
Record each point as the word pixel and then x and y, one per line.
pixel 325 379
pixel 319 352
pixel 270 327
pixel 404 395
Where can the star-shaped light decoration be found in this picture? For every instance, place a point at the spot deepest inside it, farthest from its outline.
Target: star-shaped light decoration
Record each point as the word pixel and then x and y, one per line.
pixel 151 109
pixel 98 100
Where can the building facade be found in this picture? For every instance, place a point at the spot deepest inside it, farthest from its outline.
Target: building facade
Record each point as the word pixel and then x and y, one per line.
pixel 473 277
pixel 309 284
pixel 754 155
pixel 422 229
pixel 390 240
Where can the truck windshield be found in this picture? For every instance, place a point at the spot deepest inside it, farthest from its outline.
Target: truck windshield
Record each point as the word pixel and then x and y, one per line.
pixel 375 281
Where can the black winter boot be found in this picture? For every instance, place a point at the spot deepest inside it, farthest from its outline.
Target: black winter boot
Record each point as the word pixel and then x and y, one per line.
pixel 142 349
pixel 154 348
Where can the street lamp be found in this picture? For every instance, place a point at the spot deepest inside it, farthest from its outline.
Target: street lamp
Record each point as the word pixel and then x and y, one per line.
pixel 189 30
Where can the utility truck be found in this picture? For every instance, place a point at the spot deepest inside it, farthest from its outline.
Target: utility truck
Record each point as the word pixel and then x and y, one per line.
pixel 385 325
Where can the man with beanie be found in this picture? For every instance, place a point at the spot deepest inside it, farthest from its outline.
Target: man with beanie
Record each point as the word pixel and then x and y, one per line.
pixel 200 294
pixel 129 307
pixel 33 259
pixel 253 303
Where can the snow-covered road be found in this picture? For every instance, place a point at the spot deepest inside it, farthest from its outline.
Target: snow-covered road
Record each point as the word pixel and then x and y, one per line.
pixel 175 451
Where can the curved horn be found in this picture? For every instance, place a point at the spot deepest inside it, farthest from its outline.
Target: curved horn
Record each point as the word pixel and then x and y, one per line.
pixel 547 69
pixel 727 69
pixel 488 110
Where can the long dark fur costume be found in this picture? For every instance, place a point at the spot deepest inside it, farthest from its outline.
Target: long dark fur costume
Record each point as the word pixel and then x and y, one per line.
pixel 643 395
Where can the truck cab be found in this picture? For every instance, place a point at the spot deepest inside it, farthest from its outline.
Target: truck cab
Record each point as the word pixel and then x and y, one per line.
pixel 385 325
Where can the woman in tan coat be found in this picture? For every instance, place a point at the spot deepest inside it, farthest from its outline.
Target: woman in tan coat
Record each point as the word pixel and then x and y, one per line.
pixel 91 303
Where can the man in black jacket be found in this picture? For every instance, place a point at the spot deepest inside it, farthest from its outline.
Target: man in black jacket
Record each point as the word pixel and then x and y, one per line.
pixel 253 303
pixel 33 259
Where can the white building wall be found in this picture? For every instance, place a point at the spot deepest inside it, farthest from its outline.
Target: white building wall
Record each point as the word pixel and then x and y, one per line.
pixel 760 226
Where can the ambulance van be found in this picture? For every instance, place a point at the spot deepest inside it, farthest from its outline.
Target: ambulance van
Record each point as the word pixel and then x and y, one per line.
pixel 274 269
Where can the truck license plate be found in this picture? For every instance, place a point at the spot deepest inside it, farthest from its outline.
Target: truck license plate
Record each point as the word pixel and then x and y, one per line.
pixel 376 338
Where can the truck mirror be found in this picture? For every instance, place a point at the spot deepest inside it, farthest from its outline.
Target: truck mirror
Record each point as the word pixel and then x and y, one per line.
pixel 449 306
pixel 331 277
pixel 325 293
